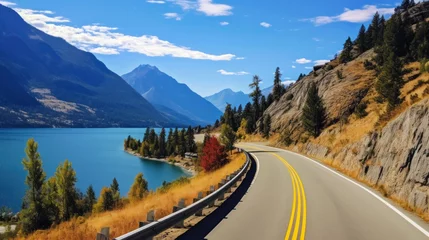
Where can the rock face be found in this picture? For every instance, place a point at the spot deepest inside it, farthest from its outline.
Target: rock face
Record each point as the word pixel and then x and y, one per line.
pixel 395 160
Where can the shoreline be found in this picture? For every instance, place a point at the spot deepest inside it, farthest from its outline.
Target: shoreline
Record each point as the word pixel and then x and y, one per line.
pixel 184 168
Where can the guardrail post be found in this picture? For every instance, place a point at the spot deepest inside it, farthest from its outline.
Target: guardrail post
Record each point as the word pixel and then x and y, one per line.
pixel 104 234
pixel 222 196
pixel 200 196
pixel 228 178
pixel 179 206
pixel 150 217
pixel 212 189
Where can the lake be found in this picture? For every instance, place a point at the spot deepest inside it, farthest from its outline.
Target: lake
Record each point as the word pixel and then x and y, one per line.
pixel 97 156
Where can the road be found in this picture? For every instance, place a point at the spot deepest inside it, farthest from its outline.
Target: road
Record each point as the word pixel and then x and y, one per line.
pixel 293 197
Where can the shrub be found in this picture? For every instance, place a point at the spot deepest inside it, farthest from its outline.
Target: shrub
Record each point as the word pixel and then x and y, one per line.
pixel 426 91
pixel 340 74
pixel 285 137
pixel 214 155
pixel 368 65
pixel 360 110
pixel 414 98
pixel 289 97
pixel 178 182
pixel 329 67
pixel 379 99
pixel 424 65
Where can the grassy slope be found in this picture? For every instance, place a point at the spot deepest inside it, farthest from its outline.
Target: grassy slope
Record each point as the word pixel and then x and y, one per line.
pixel 126 219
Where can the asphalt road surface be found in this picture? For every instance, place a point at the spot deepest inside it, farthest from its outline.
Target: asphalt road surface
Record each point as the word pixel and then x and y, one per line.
pixel 293 197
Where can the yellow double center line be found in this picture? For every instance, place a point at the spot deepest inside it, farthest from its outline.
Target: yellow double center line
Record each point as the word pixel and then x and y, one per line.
pixel 298 217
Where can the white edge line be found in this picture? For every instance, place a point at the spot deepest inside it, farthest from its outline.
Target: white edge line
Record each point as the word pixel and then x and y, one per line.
pixel 409 220
pixel 257 168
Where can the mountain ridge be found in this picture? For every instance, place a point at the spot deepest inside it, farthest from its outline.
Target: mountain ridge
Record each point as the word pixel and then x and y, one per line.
pixel 60 79
pixel 161 89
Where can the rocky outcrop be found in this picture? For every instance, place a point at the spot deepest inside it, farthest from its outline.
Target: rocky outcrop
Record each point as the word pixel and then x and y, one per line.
pixel 395 159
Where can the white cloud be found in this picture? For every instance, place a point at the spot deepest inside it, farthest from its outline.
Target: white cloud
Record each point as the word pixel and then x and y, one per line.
pixel 320 62
pixel 316 39
pixel 213 9
pixel 223 72
pixel 288 82
pixel 293 66
pixel 104 50
pixel 240 58
pixel 303 61
pixel 107 40
pixel 172 15
pixel 287 78
pixel 185 4
pixel 7 4
pixel 308 67
pixel 155 1
pixel 224 23
pixel 265 24
pixel 355 16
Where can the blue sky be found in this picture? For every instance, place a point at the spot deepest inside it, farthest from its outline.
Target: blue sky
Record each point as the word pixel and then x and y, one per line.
pixel 208 44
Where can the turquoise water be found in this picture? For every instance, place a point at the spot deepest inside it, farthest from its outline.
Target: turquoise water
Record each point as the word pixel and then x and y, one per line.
pixel 96 154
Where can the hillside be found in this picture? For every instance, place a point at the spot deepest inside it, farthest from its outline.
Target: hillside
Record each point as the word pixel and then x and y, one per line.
pixel 387 149
pixel 47 82
pixel 160 89
pixel 225 96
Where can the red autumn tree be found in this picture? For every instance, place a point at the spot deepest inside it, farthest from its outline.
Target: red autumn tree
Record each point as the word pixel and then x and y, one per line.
pixel 214 155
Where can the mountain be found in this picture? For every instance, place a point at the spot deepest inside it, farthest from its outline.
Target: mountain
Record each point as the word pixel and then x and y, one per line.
pixel 46 82
pixel 162 90
pixel 225 96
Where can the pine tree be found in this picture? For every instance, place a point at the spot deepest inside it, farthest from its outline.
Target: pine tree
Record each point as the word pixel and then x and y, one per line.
pixel 190 140
pixel 227 137
pixel 105 201
pixel 139 188
pixel 182 142
pixel 313 115
pixel 264 104
pixel 267 126
pixel 146 135
pixel 228 116
pixel 375 36
pixel 170 143
pixel 65 177
pixel 33 215
pixel 115 191
pixel 162 143
pixel 361 41
pixel 278 86
pixel 256 97
pixel 50 191
pixel 176 140
pixel 346 54
pixel 152 136
pixel 390 82
pixel 270 99
pixel 89 199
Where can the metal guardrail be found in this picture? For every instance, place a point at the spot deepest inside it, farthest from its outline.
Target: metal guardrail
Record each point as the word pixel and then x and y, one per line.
pixel 154 228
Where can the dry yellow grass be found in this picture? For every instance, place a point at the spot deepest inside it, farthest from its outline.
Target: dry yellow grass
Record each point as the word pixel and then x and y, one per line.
pixel 126 219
